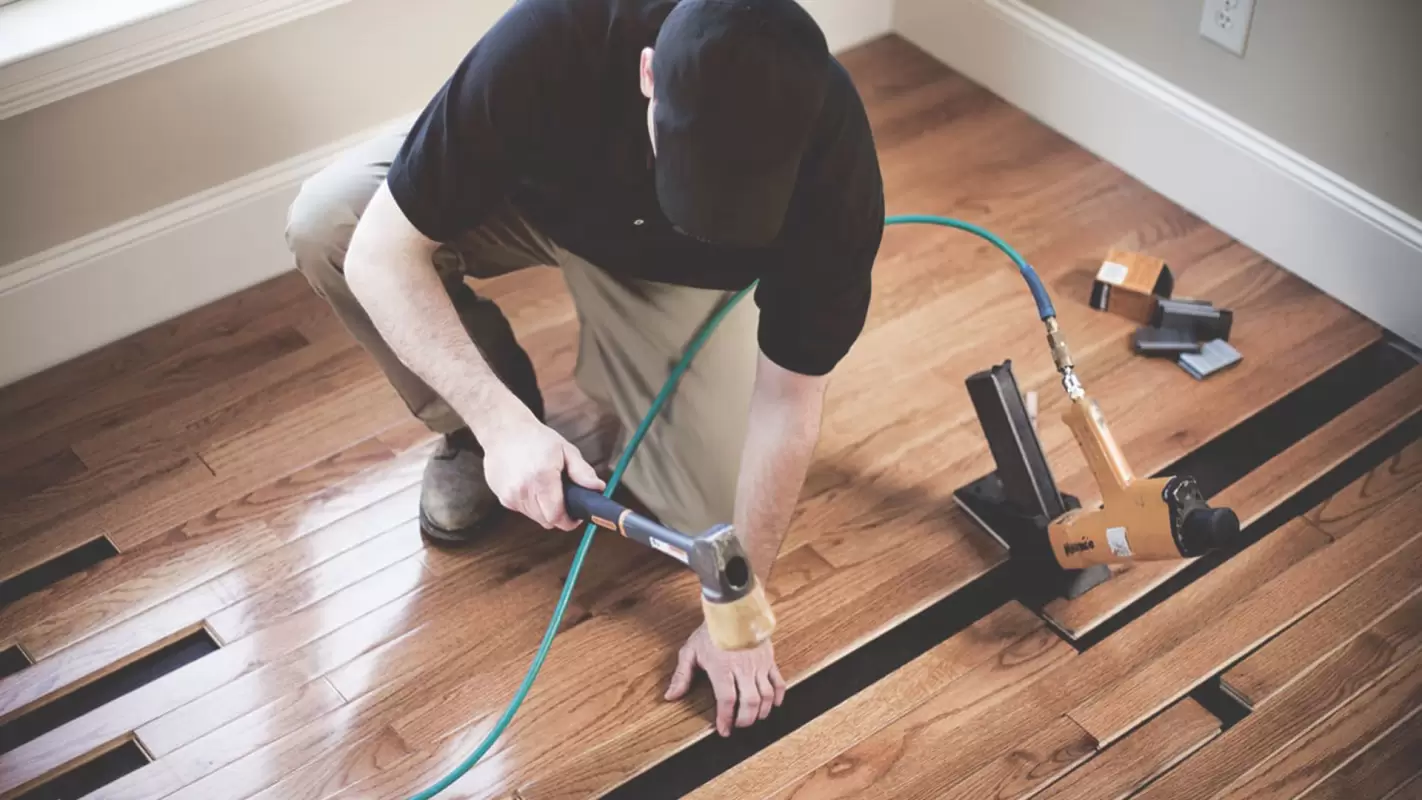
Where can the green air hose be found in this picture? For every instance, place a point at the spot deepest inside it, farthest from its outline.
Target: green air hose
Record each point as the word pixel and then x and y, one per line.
pixel 1044 310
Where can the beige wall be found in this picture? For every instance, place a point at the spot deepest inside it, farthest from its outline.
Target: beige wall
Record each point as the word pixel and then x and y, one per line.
pixel 103 156
pixel 1339 81
pixel 119 150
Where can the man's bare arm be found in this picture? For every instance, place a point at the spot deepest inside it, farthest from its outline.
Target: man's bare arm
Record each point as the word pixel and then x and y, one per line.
pixel 784 428
pixel 390 271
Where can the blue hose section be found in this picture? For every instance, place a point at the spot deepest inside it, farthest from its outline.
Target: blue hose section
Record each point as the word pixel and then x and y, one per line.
pixel 1044 309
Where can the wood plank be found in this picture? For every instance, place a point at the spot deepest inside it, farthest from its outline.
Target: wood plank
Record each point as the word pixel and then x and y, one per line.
pixel 313 571
pixel 1319 753
pixel 1110 713
pixel 944 726
pixel 223 746
pixel 1365 662
pixel 307 647
pixel 843 726
pixel 1385 765
pixel 173 568
pixel 648 729
pixel 1376 593
pixel 1120 770
pixel 227 407
pixel 1256 494
pixel 1023 771
pixel 141 351
pixel 308 499
pixel 1341 513
pixel 255 670
pixel 105 652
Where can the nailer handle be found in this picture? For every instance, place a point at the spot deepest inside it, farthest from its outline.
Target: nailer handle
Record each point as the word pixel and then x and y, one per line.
pixel 1103 455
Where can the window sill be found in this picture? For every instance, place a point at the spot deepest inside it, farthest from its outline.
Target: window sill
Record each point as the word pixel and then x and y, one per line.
pixel 53 49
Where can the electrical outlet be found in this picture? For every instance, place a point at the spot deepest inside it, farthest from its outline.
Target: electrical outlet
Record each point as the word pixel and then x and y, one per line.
pixel 1226 23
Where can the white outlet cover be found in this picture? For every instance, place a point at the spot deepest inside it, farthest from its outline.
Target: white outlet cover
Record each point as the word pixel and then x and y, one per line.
pixel 1226 23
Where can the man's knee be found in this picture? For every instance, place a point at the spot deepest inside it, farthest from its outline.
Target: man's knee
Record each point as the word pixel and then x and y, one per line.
pixel 322 218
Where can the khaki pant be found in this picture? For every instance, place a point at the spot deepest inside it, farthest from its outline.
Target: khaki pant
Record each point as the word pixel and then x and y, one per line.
pixel 632 335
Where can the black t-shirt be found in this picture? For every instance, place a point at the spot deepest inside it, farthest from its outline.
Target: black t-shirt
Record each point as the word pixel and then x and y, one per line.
pixel 545 112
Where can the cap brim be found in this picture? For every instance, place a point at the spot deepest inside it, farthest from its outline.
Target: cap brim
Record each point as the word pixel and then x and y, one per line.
pixel 736 205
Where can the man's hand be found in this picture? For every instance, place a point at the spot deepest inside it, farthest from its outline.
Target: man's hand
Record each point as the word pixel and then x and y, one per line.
pixel 750 675
pixel 524 465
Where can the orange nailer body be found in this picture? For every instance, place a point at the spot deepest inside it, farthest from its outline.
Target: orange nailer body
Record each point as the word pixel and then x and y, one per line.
pixel 1140 519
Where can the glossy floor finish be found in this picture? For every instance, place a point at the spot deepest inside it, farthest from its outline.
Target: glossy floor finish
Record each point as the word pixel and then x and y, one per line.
pixel 259 482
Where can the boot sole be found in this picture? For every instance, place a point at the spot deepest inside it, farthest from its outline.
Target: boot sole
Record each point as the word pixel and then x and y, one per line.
pixel 463 537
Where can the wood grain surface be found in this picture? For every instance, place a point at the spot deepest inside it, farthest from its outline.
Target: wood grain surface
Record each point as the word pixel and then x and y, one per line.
pixel 1149 751
pixel 260 481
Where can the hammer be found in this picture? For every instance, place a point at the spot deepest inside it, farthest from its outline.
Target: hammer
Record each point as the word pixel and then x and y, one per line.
pixel 738 616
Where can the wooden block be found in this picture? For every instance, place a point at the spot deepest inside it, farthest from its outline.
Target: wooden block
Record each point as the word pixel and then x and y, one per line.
pixel 1111 712
pixel 1128 283
pixel 1131 763
pixel 1386 765
pixel 1255 740
pixel 1376 593
pixel 1393 700
pixel 224 745
pixel 843 726
pixel 1257 493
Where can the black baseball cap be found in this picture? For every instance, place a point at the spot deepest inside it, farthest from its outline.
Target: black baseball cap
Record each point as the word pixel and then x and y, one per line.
pixel 739 85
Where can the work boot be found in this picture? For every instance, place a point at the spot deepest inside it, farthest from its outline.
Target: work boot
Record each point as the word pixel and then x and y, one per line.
pixel 456 503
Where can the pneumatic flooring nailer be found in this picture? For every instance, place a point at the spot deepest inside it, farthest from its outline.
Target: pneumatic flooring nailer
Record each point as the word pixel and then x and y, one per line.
pixel 1066 549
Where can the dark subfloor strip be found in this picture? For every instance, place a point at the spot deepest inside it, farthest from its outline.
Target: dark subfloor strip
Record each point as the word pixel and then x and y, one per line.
pixel 83 557
pixel 1215 465
pixel 90 775
pixel 699 763
pixel 12 660
pixel 51 715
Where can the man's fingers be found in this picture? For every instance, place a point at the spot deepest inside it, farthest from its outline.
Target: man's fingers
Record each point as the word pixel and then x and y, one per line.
pixel 750 700
pixel 580 470
pixel 778 683
pixel 767 694
pixel 551 505
pixel 681 678
pixel 725 688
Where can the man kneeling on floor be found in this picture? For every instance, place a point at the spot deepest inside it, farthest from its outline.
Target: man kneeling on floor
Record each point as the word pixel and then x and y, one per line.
pixel 663 155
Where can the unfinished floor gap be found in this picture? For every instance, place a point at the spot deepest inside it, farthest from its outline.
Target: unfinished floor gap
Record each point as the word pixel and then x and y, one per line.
pixel 701 762
pixel 1225 706
pixel 91 775
pixel 84 557
pixel 12 660
pixel 39 721
pixel 1330 483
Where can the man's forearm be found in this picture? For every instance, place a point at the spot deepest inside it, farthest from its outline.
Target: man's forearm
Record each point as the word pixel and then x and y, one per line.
pixel 780 443
pixel 387 269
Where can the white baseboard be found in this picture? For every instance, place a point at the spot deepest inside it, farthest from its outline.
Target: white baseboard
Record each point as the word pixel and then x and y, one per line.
pixel 847 23
pixel 73 298
pixel 1348 243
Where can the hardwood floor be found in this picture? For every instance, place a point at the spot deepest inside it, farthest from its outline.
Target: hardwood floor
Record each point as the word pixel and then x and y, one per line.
pixel 259 482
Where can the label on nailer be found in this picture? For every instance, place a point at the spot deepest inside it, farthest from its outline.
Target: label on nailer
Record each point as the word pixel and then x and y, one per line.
pixel 1112 273
pixel 675 552
pixel 1116 539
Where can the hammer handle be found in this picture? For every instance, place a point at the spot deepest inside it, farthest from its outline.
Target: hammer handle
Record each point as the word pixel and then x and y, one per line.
pixel 589 506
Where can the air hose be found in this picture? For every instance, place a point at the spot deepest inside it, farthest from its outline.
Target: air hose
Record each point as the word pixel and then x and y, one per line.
pixel 1044 310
